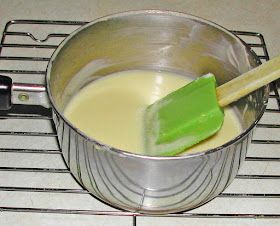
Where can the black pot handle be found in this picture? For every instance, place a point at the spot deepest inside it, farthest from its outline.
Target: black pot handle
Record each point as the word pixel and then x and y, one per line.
pixel 5 92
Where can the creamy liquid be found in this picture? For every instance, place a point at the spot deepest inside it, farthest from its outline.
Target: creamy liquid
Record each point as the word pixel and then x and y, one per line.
pixel 111 109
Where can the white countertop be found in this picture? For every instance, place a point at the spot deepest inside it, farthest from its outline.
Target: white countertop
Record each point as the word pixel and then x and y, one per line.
pixel 261 16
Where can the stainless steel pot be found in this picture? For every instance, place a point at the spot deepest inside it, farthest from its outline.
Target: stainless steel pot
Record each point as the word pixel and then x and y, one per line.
pixel 157 40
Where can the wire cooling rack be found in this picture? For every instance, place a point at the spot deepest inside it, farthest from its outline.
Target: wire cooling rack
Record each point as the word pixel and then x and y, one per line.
pixel 36 188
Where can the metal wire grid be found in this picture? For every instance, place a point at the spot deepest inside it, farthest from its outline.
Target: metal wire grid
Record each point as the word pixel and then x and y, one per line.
pixel 31 42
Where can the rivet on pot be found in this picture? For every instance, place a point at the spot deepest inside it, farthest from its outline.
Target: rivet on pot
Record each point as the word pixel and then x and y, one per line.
pixel 23 96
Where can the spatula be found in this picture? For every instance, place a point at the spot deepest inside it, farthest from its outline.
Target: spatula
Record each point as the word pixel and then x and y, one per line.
pixel 194 112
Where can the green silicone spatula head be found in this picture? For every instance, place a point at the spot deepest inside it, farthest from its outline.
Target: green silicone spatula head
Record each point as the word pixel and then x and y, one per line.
pixel 194 112
pixel 183 118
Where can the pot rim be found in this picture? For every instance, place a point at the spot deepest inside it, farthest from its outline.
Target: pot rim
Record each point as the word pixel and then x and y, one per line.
pixel 152 11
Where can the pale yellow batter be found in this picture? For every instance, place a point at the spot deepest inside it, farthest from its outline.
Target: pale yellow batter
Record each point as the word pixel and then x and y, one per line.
pixel 110 110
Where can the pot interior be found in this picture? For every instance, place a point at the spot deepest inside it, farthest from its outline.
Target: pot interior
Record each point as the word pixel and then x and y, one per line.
pixel 156 40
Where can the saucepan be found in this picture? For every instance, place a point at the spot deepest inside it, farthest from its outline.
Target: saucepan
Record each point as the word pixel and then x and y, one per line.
pixel 149 40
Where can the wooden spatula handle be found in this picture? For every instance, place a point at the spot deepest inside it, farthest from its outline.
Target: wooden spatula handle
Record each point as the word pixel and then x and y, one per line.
pixel 248 82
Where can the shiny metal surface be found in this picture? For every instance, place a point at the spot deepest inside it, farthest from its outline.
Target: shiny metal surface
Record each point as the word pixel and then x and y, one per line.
pixel 160 41
pixel 29 94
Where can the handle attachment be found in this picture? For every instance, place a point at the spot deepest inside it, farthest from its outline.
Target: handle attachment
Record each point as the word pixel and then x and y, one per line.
pixel 21 93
